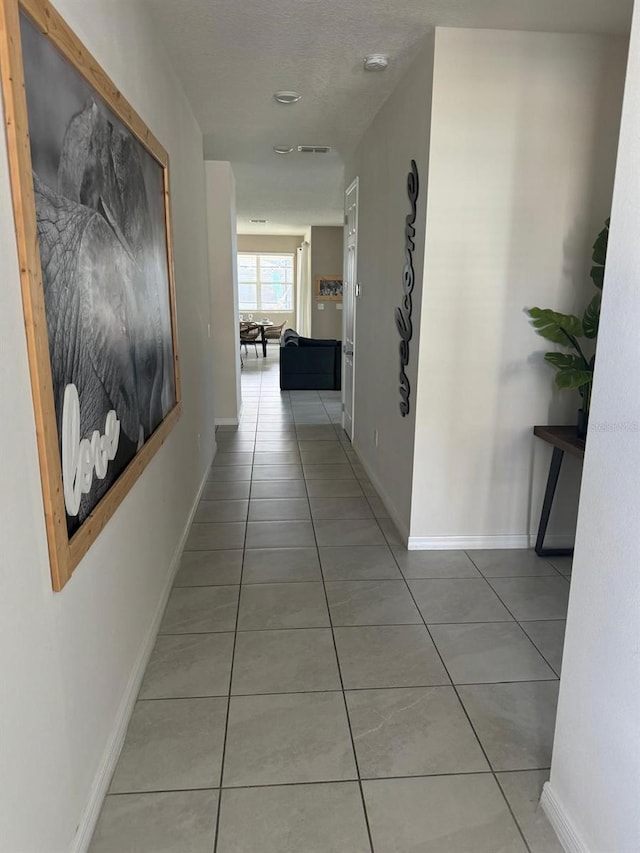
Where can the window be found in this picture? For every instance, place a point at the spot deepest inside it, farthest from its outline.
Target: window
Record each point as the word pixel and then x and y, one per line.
pixel 265 282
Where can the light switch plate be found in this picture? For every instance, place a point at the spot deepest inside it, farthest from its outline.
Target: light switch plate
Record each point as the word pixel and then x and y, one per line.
pixel 320 306
pixel 338 306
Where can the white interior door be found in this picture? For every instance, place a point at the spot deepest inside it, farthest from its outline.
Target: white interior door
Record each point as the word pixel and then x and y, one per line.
pixel 349 304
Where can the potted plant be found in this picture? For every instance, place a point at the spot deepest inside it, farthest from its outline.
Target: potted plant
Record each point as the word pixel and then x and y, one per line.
pixel 575 365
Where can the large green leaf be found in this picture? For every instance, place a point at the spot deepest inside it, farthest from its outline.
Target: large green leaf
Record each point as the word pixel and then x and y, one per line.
pixel 591 319
pixel 562 361
pixel 559 328
pixel 573 378
pixel 597 277
pixel 599 256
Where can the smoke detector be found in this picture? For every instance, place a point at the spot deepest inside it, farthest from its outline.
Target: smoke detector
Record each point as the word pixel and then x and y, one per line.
pixel 314 149
pixel 376 62
pixel 287 97
pixel 283 149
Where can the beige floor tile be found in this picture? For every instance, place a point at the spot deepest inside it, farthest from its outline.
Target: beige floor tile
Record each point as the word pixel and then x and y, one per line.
pixel 279 509
pixel 412 731
pixel 371 603
pixel 188 665
pixel 515 722
pixel 523 790
pixel 209 568
pixel 201 609
pixel 212 511
pixel 388 656
pixel 440 814
pixel 281 565
pixel 318 818
pixel 171 745
pixel 358 562
pixel 285 661
pixel 274 534
pixel 161 822
pixel 214 537
pixel 286 738
pixel 282 605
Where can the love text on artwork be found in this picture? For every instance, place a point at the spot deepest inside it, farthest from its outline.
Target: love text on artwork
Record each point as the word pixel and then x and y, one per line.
pixel 82 457
pixel 403 313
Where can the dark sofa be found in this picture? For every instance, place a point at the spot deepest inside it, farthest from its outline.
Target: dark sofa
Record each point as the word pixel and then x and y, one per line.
pixel 309 363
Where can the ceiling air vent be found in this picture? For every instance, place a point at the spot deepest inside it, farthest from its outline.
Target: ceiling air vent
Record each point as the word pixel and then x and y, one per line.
pixel 314 149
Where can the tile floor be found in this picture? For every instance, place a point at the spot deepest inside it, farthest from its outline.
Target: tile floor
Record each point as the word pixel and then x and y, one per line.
pixel 315 688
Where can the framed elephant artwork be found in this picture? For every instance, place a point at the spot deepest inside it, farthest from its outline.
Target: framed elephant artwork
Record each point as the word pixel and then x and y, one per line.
pixel 90 189
pixel 329 287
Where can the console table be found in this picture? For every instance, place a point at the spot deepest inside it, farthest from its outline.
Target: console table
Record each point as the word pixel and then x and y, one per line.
pixel 563 439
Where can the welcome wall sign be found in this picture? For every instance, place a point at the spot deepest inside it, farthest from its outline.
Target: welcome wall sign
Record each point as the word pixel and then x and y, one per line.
pixel 403 313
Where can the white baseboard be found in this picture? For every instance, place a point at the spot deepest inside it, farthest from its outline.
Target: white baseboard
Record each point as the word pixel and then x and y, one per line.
pixel 230 421
pixel 563 827
pixel 110 756
pixel 384 497
pixel 457 543
pixel 470 543
pixel 467 543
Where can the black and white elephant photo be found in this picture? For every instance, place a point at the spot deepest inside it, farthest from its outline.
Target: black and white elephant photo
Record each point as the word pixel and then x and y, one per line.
pixel 100 210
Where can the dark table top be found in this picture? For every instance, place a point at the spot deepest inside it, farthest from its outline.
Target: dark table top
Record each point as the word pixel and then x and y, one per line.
pixel 564 437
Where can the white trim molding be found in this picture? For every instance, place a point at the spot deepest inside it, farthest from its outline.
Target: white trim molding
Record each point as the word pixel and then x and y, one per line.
pixel 456 543
pixel 562 825
pixel 100 785
pixel 470 543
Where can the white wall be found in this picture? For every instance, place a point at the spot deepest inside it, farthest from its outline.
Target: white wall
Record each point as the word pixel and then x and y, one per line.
pixel 223 272
pixel 593 795
pixel 523 140
pixel 398 134
pixel 66 658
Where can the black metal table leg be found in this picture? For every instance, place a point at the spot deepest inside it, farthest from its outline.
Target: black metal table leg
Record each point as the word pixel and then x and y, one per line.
pixel 552 482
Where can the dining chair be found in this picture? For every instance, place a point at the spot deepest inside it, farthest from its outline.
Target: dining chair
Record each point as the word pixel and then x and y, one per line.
pixel 274 333
pixel 249 334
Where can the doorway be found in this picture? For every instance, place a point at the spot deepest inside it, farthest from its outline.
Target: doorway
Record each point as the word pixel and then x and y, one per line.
pixel 349 307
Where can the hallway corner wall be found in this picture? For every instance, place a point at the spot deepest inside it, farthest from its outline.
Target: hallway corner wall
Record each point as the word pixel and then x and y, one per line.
pixel 69 661
pixel 399 133
pixel 523 146
pixel 327 250
pixel 223 273
pixel 592 796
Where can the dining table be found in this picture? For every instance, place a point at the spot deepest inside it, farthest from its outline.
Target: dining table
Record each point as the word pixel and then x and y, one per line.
pixel 262 325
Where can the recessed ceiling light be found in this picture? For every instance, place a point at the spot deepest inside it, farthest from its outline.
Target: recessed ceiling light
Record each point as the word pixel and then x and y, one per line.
pixel 376 62
pixel 287 97
pixel 283 149
pixel 259 221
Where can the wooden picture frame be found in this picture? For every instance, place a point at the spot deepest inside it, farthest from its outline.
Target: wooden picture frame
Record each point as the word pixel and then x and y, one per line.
pixel 329 288
pixel 75 327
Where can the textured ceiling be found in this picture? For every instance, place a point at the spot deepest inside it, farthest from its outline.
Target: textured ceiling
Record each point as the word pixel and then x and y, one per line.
pixel 232 55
